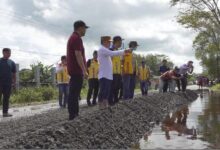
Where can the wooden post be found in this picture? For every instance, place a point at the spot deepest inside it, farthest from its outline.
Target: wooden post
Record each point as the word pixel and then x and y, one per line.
pixel 17 77
pixel 53 76
pixel 37 76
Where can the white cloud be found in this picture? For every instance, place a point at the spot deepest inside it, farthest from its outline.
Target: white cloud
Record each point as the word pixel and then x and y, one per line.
pixel 43 26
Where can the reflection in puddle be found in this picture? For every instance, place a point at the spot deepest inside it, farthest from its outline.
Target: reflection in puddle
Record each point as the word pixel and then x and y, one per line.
pixel 177 122
pixel 196 126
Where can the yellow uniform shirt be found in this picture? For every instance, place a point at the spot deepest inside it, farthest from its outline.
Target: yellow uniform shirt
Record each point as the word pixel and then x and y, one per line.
pixel 62 74
pixel 116 64
pixel 93 69
pixel 143 73
pixel 127 64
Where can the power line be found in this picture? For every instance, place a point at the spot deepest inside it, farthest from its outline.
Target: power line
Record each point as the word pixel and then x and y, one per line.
pixel 16 16
pixel 33 52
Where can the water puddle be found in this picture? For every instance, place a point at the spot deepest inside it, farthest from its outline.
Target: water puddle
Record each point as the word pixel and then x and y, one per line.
pixel 196 126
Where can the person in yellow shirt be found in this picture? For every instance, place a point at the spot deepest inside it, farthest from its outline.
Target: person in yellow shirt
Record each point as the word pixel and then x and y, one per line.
pixel 116 66
pixel 129 72
pixel 62 81
pixel 143 75
pixel 93 68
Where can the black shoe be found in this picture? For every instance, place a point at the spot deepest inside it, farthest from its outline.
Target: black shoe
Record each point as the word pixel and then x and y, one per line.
pixel 93 103
pixel 89 103
pixel 7 115
pixel 71 117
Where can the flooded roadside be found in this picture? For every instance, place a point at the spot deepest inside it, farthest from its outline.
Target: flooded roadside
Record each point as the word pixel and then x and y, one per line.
pixel 193 126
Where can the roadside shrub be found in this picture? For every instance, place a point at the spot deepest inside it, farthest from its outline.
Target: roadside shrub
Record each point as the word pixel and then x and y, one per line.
pixel 34 94
pixel 48 93
pixel 216 87
pixel 26 95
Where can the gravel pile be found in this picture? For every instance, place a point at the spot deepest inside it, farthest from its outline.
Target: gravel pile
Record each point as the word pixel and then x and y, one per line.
pixel 120 126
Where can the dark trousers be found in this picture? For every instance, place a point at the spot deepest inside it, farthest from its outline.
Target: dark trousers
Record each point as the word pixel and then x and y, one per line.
pixel 5 91
pixel 184 83
pixel 75 86
pixel 165 86
pixel 144 87
pixel 63 94
pixel 116 85
pixel 178 85
pixel 132 86
pixel 104 89
pixel 93 90
pixel 128 86
pixel 121 90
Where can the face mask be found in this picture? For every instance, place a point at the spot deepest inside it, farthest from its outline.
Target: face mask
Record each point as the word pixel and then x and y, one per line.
pixel 133 48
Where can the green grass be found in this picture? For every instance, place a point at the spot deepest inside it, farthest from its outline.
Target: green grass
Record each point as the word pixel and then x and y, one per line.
pixel 41 95
pixel 216 87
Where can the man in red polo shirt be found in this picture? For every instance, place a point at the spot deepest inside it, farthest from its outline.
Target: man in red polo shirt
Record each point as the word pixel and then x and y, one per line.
pixel 76 66
pixel 169 78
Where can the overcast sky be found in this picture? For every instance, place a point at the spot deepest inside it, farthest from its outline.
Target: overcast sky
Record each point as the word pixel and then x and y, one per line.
pixel 38 30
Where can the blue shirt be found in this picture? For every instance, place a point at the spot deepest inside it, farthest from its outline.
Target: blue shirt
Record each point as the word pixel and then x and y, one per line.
pixel 164 69
pixel 184 69
pixel 7 68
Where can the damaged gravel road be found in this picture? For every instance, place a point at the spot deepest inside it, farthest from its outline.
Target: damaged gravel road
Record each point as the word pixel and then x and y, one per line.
pixel 120 126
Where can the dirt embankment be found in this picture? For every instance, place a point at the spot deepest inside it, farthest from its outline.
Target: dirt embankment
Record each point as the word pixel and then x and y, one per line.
pixel 117 127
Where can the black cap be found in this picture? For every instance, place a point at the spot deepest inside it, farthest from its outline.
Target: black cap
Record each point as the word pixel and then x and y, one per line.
pixel 6 49
pixel 133 43
pixel 105 38
pixel 190 61
pixel 164 60
pixel 176 68
pixel 117 38
pixel 80 23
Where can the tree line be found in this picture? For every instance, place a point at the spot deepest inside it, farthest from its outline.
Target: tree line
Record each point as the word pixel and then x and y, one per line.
pixel 203 17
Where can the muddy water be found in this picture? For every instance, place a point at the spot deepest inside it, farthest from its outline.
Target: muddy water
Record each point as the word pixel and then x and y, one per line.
pixel 196 126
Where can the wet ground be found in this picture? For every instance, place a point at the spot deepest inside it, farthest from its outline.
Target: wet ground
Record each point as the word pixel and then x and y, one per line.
pixel 193 126
pixel 120 126
pixel 27 111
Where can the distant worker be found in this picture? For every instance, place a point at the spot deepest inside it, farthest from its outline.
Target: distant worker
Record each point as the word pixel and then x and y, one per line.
pixel 143 75
pixel 63 82
pixel 184 70
pixel 163 68
pixel 117 78
pixel 7 79
pixel 129 72
pixel 93 69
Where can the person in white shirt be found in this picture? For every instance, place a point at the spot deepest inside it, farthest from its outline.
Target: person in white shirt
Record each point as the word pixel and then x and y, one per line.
pixel 105 69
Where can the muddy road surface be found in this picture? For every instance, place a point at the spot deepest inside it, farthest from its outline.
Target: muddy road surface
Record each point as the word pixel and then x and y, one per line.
pixel 120 126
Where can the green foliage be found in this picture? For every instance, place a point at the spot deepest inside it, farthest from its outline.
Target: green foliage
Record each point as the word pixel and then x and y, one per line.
pixel 203 16
pixel 45 71
pixel 47 93
pixel 28 95
pixel 26 75
pixel 216 87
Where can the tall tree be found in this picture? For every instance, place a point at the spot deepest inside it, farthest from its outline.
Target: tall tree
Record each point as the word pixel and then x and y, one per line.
pixel 203 16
